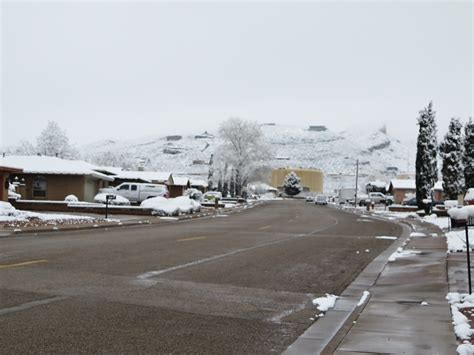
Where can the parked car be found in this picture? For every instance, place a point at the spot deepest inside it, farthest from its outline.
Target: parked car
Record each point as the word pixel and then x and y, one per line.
pixel 137 192
pixel 309 198
pixel 212 195
pixel 410 202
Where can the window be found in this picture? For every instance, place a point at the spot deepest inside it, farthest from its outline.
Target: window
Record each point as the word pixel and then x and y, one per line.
pixel 39 187
pixel 123 187
pixel 134 188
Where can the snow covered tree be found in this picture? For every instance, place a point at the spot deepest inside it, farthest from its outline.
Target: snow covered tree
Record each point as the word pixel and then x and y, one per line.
pixel 243 149
pixel 469 154
pixel 426 154
pixel 25 148
pixel 291 184
pixel 452 151
pixel 53 141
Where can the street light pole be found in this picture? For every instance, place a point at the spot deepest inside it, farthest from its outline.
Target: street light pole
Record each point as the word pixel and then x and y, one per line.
pixel 357 183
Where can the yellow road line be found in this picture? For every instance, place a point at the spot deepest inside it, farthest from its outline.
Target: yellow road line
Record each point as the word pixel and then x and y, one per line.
pixel 265 227
pixel 187 239
pixel 23 264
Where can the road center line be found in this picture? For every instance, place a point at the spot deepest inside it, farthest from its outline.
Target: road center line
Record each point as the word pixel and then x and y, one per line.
pixel 264 227
pixel 187 239
pixel 28 305
pixel 23 264
pixel 150 274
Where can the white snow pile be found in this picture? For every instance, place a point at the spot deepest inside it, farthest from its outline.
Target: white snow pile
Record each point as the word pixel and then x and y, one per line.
pixel 8 213
pixel 469 195
pixel 325 303
pixel 456 241
pixel 364 298
pixel 269 196
pixel 417 234
pixel 118 201
pixel 441 222
pixel 461 213
pixel 386 237
pixel 71 198
pixel 400 253
pixel 451 204
pixel 462 328
pixel 172 206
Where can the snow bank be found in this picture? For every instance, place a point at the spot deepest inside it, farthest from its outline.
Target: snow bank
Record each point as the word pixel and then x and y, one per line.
pixel 461 213
pixel 172 206
pixel 71 198
pixel 8 213
pixel 456 241
pixel 119 200
pixel 364 298
pixel 462 327
pixel 441 222
pixel 325 303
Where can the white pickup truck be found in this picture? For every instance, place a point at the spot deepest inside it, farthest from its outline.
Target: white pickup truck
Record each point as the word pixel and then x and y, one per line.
pixel 137 192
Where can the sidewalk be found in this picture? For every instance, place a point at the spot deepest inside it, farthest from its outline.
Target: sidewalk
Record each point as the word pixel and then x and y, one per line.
pixel 393 320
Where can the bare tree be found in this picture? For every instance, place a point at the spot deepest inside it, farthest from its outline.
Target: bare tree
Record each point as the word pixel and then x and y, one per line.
pixel 53 141
pixel 243 149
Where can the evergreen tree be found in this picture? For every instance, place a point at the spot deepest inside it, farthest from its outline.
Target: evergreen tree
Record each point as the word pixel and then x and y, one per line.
pixel 292 184
pixel 469 154
pixel 426 153
pixel 451 151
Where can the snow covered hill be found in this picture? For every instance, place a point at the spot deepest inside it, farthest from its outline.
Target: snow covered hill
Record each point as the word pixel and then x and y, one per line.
pixel 380 155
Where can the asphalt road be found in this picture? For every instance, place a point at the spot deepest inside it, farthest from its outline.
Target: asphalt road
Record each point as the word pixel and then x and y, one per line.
pixel 241 283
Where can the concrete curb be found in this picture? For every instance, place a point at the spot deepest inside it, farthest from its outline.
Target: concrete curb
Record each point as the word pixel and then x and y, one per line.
pixel 324 336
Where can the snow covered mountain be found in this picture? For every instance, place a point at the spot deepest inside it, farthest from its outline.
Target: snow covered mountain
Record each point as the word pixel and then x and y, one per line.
pixel 380 155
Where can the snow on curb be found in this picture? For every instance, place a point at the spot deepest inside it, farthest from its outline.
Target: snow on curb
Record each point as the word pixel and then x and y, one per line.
pixel 400 253
pixel 364 298
pixel 326 303
pixel 462 328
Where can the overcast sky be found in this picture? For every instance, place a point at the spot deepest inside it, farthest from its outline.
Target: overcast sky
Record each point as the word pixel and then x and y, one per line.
pixel 125 69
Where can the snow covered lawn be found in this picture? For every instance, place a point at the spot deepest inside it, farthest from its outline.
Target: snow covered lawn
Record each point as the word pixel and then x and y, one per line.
pixel 462 309
pixel 11 217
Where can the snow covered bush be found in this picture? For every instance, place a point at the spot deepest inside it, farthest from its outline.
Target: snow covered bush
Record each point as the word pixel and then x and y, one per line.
pixel 172 206
pixel 292 185
pixel 461 213
pixel 426 153
pixel 469 153
pixel 193 194
pixel 12 194
pixel 6 209
pixel 119 200
pixel 71 198
pixel 451 152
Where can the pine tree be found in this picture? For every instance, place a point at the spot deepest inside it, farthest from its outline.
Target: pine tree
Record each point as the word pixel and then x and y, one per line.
pixel 426 163
pixel 469 154
pixel 292 184
pixel 451 151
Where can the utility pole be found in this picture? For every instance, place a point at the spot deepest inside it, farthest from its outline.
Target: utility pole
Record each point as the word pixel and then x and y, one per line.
pixel 357 183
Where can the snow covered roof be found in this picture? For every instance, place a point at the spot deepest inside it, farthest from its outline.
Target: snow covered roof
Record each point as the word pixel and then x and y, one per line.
pixel 148 176
pixel 198 182
pixel 378 183
pixel 180 180
pixel 405 184
pixel 34 164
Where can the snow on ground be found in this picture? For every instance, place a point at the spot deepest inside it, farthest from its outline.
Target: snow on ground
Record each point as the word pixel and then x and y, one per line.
pixel 456 240
pixel 172 206
pixel 462 327
pixel 441 222
pixel 400 253
pixel 462 213
pixel 364 298
pixel 325 303
pixel 9 214
pixel 386 237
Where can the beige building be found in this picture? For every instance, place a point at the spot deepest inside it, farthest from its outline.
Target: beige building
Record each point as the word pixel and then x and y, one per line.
pixel 51 178
pixel 312 180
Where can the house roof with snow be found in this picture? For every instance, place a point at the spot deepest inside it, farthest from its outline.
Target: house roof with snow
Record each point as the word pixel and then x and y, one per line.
pixel 34 164
pixel 145 176
pixel 403 184
pixel 180 181
pixel 198 182
pixel 438 186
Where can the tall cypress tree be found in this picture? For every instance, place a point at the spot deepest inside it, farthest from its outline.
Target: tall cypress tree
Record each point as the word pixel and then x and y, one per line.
pixel 469 154
pixel 452 153
pixel 426 153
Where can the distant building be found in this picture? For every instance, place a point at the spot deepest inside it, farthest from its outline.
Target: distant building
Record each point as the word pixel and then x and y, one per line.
pixel 312 180
pixel 400 188
pixel 317 128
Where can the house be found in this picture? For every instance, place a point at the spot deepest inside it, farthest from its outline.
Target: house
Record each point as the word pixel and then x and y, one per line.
pixel 438 191
pixel 178 185
pixel 400 188
pixel 5 172
pixel 199 184
pixel 52 178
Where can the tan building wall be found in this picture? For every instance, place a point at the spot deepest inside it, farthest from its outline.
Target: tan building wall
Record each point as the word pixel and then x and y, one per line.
pixel 311 179
pixel 399 195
